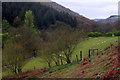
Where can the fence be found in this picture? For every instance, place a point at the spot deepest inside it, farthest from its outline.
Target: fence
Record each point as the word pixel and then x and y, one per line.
pixel 95 52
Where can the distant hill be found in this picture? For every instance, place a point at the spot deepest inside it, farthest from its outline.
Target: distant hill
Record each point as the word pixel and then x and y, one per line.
pixel 111 23
pixel 98 20
pixel 112 18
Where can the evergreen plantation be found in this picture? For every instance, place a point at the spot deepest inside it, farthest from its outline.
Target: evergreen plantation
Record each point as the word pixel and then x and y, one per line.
pixel 44 16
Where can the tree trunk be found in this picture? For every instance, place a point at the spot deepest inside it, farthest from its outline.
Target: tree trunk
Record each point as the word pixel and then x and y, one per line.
pixel 61 62
pixel 49 65
pixel 67 55
pixel 34 53
pixel 80 55
pixel 68 60
pixel 58 62
pixel 15 70
pixel 19 70
pixel 77 58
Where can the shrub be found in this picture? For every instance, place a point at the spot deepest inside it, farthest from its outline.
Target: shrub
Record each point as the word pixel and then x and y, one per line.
pixel 109 34
pixel 94 34
pixel 117 33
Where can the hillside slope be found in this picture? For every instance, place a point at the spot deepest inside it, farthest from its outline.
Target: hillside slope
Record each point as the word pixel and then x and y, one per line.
pixel 60 8
pixel 100 66
pixel 100 43
pixel 46 13
pixel 111 19
pixel 104 64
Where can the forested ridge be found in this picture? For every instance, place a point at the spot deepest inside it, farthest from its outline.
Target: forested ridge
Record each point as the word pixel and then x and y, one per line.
pixel 47 13
pixel 44 15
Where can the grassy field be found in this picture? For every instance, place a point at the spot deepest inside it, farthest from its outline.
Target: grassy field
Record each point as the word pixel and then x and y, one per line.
pixel 100 43
pixel 94 43
pixel 84 46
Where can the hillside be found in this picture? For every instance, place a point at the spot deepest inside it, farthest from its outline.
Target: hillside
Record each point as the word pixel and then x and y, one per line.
pixel 60 8
pixel 101 65
pixel 111 23
pixel 46 13
pixel 91 42
pixel 111 19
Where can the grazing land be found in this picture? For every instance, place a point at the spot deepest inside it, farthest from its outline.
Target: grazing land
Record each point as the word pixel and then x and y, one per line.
pixel 47 40
pixel 98 42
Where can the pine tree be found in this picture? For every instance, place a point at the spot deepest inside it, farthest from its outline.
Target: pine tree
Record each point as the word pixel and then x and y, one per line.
pixel 5 25
pixel 17 22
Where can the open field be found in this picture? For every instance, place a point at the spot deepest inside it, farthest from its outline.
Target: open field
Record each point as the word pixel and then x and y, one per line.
pixel 100 43
pixel 101 66
pixel 84 46
pixel 94 43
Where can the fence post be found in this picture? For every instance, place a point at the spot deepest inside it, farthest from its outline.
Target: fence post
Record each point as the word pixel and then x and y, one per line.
pixel 89 51
pixel 89 55
pixel 80 55
pixel 97 51
pixel 61 62
pixel 77 58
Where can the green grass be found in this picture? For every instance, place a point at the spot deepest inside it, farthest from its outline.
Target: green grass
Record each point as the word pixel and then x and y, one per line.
pixel 66 68
pixel 6 73
pixel 36 63
pixel 84 46
pixel 94 43
pixel 97 66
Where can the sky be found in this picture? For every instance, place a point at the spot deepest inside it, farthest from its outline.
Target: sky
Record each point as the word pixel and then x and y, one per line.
pixel 92 9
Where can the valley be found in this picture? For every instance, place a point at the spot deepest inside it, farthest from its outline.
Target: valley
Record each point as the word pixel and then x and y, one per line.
pixel 47 40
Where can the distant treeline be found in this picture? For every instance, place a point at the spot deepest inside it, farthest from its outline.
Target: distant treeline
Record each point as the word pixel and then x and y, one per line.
pixel 44 15
pixel 99 34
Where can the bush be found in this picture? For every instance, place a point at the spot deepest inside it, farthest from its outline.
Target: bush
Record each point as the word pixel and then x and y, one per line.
pixel 117 33
pixel 109 34
pixel 94 34
pixel 5 38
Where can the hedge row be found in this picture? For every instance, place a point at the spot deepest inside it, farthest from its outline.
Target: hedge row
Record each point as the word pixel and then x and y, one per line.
pixel 99 34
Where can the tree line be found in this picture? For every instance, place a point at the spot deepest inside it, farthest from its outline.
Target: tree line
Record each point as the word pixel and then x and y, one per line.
pixel 44 16
pixel 103 34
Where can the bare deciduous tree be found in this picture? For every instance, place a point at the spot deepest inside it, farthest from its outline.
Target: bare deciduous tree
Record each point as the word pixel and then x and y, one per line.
pixel 13 57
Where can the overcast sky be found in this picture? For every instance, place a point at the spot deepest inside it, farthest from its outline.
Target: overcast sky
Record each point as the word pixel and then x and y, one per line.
pixel 92 8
